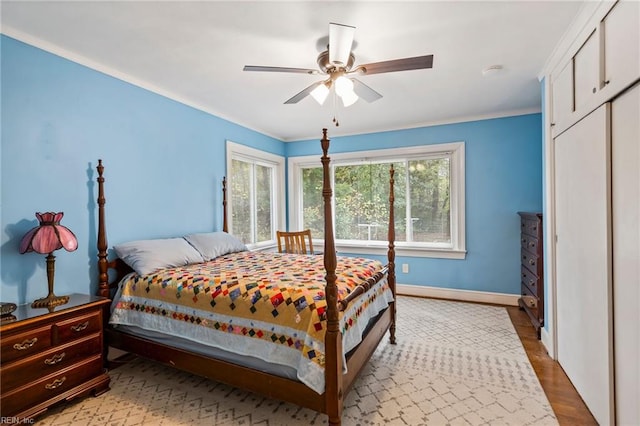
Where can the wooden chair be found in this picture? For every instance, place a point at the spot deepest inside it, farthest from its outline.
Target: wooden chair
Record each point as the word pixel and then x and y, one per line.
pixel 295 242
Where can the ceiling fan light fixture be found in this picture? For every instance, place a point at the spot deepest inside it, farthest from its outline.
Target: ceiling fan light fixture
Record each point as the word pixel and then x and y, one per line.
pixel 349 98
pixel 344 86
pixel 320 93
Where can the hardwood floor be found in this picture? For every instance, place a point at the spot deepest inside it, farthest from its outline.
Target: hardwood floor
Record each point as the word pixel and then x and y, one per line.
pixel 565 401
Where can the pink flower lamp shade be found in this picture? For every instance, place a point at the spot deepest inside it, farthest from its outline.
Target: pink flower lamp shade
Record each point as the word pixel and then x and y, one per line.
pixel 46 238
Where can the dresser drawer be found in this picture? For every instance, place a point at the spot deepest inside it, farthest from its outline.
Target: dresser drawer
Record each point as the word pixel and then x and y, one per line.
pixel 532 262
pixel 531 227
pixel 24 344
pixel 529 299
pixel 529 279
pixel 77 327
pixel 530 243
pixel 50 386
pixel 26 370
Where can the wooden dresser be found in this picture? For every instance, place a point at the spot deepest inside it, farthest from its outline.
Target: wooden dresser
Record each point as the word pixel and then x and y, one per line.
pixel 532 268
pixel 48 357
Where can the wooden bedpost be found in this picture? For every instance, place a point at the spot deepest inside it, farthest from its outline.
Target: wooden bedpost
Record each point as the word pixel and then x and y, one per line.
pixel 391 255
pixel 225 227
pixel 103 277
pixel 333 337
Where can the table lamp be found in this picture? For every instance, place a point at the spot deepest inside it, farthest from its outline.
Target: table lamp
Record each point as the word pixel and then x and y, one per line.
pixel 46 238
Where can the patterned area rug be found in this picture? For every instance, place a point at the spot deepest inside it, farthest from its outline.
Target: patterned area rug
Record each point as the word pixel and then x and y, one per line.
pixel 455 364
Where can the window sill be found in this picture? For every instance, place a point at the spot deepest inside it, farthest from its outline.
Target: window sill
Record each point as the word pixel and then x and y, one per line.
pixel 381 250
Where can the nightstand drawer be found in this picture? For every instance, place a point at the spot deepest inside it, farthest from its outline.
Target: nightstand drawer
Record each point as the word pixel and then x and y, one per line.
pixel 24 344
pixel 50 386
pixel 26 370
pixel 77 327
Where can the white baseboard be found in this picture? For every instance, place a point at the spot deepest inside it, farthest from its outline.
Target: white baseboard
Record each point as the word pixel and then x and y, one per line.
pixel 547 342
pixel 455 294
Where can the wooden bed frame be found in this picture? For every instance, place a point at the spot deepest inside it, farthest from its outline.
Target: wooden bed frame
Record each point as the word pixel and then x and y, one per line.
pixel 337 384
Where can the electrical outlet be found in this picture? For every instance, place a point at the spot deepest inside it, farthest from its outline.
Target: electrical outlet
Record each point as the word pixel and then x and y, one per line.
pixel 405 268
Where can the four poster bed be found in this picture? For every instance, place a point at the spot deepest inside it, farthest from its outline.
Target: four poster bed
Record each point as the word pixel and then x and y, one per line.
pixel 339 309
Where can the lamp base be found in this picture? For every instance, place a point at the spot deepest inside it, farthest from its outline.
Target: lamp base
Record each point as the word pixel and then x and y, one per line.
pixel 50 301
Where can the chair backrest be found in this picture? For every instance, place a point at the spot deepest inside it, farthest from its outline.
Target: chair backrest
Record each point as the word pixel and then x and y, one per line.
pixel 295 242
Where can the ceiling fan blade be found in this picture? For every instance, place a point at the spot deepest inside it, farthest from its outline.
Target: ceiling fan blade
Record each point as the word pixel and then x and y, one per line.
pixel 365 92
pixel 300 96
pixel 340 41
pixel 279 69
pixel 415 63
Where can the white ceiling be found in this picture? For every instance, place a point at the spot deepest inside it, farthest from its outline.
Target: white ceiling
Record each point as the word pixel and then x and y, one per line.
pixel 194 52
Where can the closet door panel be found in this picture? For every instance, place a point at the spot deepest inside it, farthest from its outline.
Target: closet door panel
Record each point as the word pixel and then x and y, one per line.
pixel 562 94
pixel 586 71
pixel 583 260
pixel 625 151
pixel 622 45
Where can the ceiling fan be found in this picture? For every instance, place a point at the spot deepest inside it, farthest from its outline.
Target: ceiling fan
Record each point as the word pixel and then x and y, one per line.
pixel 337 63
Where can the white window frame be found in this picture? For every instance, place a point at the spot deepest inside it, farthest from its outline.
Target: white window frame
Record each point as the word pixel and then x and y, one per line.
pixel 236 151
pixel 455 250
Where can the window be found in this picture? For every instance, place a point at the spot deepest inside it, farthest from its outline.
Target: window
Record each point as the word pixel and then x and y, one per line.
pixel 255 194
pixel 429 199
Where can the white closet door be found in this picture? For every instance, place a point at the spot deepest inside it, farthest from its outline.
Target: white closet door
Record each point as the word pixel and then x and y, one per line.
pixel 625 147
pixel 583 260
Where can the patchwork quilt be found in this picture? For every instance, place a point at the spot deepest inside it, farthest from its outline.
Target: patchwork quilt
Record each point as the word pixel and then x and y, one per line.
pixel 266 305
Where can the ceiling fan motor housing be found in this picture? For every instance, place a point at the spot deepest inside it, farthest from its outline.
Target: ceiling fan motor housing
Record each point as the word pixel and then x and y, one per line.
pixel 328 67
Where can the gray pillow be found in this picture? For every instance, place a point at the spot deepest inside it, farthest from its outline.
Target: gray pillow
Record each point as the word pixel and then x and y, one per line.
pixel 147 256
pixel 214 244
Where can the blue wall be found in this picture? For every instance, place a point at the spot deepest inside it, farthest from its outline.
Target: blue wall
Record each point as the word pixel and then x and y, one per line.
pixel 503 176
pixel 164 160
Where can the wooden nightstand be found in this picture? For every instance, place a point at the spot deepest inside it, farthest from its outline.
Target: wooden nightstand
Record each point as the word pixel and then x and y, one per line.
pixel 47 357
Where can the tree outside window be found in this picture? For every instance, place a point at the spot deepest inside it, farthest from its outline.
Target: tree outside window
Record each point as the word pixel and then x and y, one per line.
pixel 256 182
pixel 429 198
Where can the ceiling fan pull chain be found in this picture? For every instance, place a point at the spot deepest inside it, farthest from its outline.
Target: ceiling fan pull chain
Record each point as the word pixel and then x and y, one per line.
pixel 335 120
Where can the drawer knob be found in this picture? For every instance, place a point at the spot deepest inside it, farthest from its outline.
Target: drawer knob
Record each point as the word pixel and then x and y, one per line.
pixel 25 345
pixel 80 327
pixel 55 359
pixel 532 244
pixel 56 383
pixel 532 262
